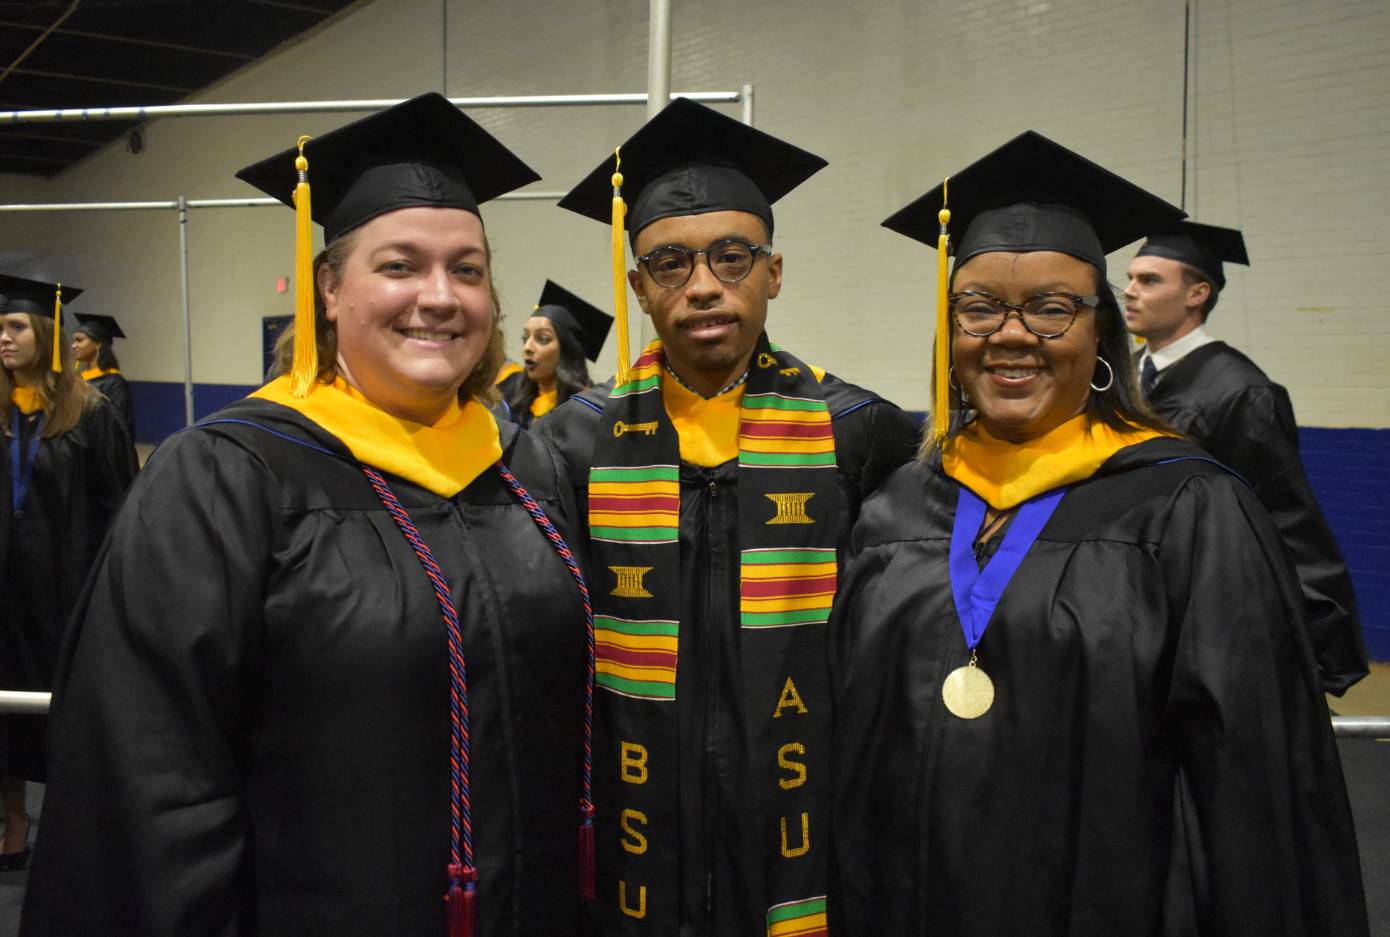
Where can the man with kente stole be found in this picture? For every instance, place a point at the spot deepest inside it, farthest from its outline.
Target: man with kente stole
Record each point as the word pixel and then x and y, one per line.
pixel 723 477
pixel 1073 695
pixel 1222 399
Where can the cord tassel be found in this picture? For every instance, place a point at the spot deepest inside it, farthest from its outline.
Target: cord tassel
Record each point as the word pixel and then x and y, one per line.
pixel 586 853
pixel 461 901
pixel 620 269
pixel 306 350
pixel 941 370
pixel 57 364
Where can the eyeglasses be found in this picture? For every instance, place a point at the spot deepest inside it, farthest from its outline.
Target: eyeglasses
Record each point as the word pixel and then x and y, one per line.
pixel 1046 315
pixel 730 260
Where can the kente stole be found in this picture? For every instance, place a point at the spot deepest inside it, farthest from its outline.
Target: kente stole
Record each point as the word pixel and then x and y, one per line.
pixel 788 514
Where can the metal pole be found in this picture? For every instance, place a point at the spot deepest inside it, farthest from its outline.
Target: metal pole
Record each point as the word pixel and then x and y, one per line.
pixel 1186 52
pixel 187 316
pixel 224 203
pixel 151 112
pixel 24 701
pixel 1361 727
pixel 658 57
pixel 747 95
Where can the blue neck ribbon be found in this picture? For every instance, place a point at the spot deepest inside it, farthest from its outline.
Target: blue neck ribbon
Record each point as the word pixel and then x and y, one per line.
pixel 20 473
pixel 978 591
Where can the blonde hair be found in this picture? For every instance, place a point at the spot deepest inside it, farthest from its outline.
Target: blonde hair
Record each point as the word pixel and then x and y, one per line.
pixel 479 383
pixel 64 395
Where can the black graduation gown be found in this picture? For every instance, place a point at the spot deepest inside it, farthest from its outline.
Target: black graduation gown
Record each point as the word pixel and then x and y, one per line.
pixel 79 479
pixel 115 389
pixel 1158 759
pixel 724 851
pixel 1225 402
pixel 508 388
pixel 251 725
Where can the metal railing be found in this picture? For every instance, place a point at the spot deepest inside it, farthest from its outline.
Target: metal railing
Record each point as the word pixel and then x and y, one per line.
pixel 1344 727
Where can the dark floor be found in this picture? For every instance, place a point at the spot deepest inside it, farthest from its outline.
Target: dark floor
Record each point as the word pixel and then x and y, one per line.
pixel 1367 766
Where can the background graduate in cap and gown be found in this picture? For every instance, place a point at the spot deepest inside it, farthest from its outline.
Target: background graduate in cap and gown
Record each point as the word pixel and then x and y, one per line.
pixel 91 346
pixel 722 477
pixel 1074 694
pixel 1221 398
pixel 66 461
pixel 305 691
pixel 561 332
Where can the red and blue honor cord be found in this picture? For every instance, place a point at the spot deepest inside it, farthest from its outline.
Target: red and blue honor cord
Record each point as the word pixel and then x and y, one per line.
pixel 461 898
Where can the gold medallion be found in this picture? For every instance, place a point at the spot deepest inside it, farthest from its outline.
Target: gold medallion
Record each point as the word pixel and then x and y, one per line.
pixel 967 691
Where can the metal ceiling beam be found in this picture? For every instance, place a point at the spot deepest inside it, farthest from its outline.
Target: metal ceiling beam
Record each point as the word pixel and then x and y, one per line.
pixel 319 107
pixel 39 41
pixel 53 137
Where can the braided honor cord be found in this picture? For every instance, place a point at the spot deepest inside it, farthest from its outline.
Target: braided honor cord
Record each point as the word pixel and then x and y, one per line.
pixel 461 898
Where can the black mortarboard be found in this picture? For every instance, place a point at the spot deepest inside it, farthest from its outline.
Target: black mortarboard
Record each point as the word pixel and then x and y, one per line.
pixel 20 295
pixel 422 152
pixel 1035 195
pixel 586 324
pixel 1203 246
pixel 690 159
pixel 101 328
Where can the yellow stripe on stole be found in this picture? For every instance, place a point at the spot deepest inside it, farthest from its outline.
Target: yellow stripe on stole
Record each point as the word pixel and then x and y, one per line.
pixel 658 674
pixel 626 519
pixel 811 924
pixel 787 604
pixel 637 642
pixel 787 570
pixel 634 489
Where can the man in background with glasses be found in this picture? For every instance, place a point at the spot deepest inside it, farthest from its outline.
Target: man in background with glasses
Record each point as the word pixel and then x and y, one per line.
pixel 1220 398
pixel 722 476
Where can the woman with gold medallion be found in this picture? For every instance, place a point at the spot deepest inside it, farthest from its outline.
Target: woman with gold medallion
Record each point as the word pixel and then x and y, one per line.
pixel 305 692
pixel 1073 692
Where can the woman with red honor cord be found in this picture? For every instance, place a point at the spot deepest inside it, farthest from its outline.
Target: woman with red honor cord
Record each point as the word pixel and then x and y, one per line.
pixel 306 692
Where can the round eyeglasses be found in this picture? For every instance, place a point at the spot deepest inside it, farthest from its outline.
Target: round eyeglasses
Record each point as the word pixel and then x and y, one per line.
pixel 1046 315
pixel 730 260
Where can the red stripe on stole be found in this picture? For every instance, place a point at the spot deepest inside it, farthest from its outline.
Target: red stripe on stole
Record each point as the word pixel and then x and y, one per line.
pixel 784 588
pixel 636 503
pixel 634 658
pixel 787 430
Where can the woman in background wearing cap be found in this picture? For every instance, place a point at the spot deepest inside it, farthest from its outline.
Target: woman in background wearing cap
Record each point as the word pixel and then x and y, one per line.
pixel 559 335
pixel 306 693
pixel 91 346
pixel 1074 696
pixel 67 462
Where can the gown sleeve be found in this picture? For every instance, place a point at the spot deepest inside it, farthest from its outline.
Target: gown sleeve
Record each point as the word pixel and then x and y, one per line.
pixel 1255 434
pixel 1262 802
pixel 154 690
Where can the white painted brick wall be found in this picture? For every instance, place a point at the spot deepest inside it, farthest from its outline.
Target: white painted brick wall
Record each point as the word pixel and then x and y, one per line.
pixel 1290 117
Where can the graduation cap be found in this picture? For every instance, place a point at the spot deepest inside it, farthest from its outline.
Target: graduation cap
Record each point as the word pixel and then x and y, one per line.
pixel 1030 194
pixel 586 324
pixel 101 328
pixel 423 152
pixel 42 299
pixel 687 160
pixel 1203 246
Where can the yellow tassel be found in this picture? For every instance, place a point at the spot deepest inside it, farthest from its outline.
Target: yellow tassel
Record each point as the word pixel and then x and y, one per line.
pixel 941 396
pixel 305 369
pixel 58 330
pixel 620 270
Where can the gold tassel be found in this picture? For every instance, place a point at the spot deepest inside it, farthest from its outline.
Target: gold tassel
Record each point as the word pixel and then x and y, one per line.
pixel 305 369
pixel 941 396
pixel 57 364
pixel 620 270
